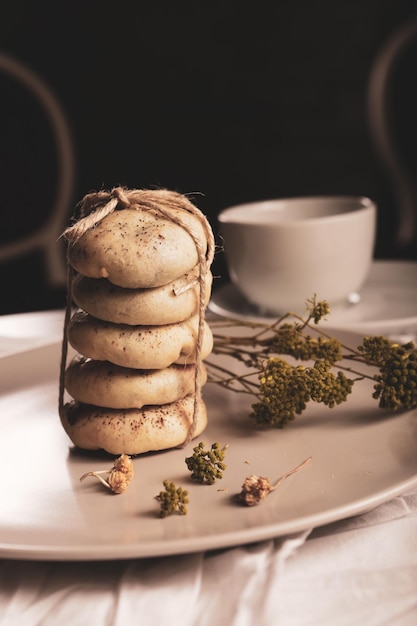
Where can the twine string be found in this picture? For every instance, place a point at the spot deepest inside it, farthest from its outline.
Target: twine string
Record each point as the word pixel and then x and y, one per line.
pixel 93 208
pixel 64 351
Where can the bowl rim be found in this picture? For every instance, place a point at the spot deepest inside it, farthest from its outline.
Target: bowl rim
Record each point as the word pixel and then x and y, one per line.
pixel 243 213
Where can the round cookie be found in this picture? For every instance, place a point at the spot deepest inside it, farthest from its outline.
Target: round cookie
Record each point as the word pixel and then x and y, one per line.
pixel 138 248
pixel 132 431
pixel 139 347
pixel 103 384
pixel 168 304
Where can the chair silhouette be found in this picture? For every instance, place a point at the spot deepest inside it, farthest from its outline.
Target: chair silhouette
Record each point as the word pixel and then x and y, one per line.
pixel 392 109
pixel 46 237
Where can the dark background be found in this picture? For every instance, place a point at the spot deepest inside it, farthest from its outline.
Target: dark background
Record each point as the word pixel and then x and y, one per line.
pixel 231 101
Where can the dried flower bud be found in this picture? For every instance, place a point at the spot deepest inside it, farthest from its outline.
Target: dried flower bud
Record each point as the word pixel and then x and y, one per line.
pixel 119 476
pixel 255 489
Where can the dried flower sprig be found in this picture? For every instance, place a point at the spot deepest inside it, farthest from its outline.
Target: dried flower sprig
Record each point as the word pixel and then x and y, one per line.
pixel 172 499
pixel 282 390
pixel 207 466
pixel 118 477
pixel 257 488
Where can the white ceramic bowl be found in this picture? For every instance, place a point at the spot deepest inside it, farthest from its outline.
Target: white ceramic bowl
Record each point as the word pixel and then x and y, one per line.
pixel 282 252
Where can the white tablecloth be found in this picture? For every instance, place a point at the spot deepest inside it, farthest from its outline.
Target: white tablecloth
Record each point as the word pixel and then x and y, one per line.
pixel 358 571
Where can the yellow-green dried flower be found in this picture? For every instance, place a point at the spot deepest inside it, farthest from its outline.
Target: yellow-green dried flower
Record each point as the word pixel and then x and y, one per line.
pixel 207 466
pixel 283 393
pixel 317 310
pixel 396 382
pixel 326 387
pixel 292 340
pixel 282 390
pixel 172 500
pixel 285 390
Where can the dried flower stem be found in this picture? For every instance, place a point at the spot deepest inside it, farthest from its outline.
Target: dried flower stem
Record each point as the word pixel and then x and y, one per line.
pixel 291 472
pixel 98 476
pixel 257 488
pixel 254 349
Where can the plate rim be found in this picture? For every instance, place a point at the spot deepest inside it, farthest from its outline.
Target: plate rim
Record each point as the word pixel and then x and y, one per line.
pixel 78 553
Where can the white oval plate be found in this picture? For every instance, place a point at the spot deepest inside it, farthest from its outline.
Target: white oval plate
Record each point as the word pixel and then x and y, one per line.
pixel 361 457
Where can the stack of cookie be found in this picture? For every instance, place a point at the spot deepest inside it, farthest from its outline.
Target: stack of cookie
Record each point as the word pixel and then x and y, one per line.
pixel 141 286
